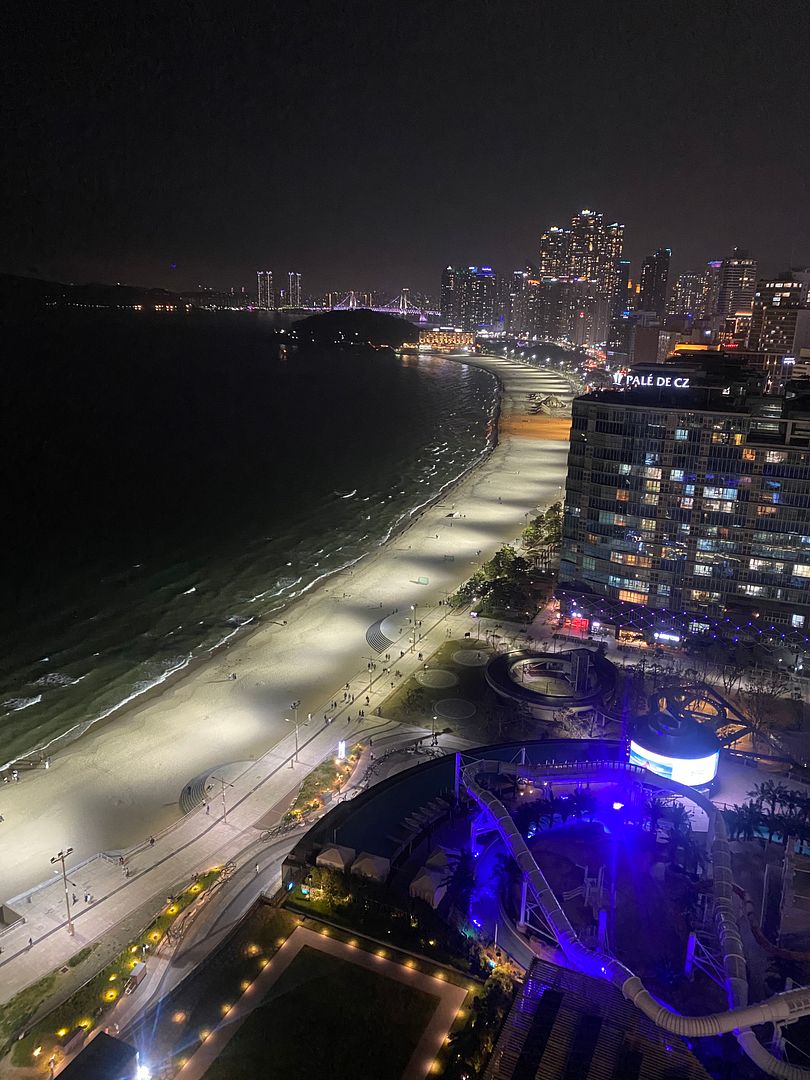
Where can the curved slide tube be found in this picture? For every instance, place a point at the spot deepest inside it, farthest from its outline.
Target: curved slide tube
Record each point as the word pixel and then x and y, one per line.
pixel 740 1016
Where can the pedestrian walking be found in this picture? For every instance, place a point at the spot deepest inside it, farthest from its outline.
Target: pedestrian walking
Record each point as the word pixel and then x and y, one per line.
pixel 371 742
pixel 151 841
pixel 30 942
pixel 257 869
pixel 207 810
pixel 75 899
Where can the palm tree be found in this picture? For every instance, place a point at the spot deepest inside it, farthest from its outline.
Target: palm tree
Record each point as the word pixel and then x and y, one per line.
pixel 750 818
pixel 768 792
pixel 655 810
pixel 460 879
pixel 680 827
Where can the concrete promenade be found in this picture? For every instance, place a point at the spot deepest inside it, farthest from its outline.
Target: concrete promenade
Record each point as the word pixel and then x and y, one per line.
pixel 112 790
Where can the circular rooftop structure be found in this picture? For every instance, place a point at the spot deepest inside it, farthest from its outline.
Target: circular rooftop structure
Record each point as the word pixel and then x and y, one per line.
pixel 576 679
pixel 675 746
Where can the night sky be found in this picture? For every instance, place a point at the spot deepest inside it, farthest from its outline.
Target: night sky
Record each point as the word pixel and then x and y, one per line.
pixel 367 145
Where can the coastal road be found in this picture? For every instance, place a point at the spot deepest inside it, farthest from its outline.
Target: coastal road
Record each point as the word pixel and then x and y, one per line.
pixel 113 789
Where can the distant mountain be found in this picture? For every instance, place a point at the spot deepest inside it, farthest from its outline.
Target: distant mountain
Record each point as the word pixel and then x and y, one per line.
pixel 21 295
pixel 348 328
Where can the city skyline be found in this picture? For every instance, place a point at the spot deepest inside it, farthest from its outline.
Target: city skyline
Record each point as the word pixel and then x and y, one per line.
pixel 338 173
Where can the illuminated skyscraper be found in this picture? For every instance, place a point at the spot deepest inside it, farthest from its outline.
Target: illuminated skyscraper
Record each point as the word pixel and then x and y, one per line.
pixel 688 296
pixel 294 289
pixel 451 295
pixel 264 290
pixel 553 255
pixel 654 277
pixel 470 297
pixel 780 322
pixel 579 270
pixel 736 284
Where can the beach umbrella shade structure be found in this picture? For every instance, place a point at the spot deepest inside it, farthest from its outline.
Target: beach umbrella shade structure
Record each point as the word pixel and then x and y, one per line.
pixel 373 867
pixel 428 886
pixel 336 857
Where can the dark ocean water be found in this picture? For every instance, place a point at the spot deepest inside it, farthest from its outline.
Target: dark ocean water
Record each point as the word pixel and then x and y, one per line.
pixel 167 479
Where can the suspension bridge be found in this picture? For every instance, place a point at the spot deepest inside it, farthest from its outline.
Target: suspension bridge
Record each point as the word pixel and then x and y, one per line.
pixel 401 305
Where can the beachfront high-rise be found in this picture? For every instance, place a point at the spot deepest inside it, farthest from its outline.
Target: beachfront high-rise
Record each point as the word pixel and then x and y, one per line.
pixel 264 290
pixel 688 503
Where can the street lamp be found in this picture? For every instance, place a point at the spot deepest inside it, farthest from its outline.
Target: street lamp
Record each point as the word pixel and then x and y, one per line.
pixel 294 706
pixel 60 858
pixel 413 627
pixel 224 807
pixel 286 721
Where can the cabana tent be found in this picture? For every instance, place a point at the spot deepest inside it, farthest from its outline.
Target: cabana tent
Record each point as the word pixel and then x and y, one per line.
pixel 427 886
pixel 370 866
pixel 336 858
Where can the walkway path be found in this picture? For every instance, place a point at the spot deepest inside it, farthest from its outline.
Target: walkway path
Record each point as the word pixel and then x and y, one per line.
pixel 110 790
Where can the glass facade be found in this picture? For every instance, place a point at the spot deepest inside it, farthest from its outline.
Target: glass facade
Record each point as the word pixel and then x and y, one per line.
pixel 693 504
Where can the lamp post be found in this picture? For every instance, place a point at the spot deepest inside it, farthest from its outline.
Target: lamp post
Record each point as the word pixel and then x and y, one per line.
pixel 60 858
pixel 294 706
pixel 286 721
pixel 224 807
pixel 413 627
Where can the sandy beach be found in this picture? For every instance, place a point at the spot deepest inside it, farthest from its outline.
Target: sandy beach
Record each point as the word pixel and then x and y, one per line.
pixel 122 782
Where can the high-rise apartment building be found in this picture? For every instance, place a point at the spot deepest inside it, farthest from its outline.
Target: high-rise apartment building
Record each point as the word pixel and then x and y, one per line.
pixel 294 289
pixel 584 259
pixel 737 282
pixel 553 258
pixel 470 297
pixel 264 290
pixel 450 295
pixel 688 297
pixel 514 303
pixel 780 320
pixel 620 322
pixel 687 503
pixel 479 307
pixel 654 278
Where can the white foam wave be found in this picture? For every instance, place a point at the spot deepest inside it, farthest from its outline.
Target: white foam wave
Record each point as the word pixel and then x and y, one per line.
pixel 56 678
pixel 18 703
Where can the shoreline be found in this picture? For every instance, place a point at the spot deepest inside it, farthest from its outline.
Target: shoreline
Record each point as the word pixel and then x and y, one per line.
pixel 111 792
pixel 35 757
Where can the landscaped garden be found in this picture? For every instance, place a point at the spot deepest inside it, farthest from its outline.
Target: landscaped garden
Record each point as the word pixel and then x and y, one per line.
pixel 86 1008
pixel 325 781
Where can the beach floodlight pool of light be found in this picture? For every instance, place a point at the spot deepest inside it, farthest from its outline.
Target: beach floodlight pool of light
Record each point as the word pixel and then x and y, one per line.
pixel 618 806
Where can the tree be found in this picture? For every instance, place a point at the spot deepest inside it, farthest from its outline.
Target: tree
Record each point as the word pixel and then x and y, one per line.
pixel 552 525
pixel 460 879
pixel 768 793
pixel 655 810
pixel 731 677
pixel 762 690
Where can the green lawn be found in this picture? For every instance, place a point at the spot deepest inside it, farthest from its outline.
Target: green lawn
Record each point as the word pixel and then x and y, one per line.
pixel 327 1017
